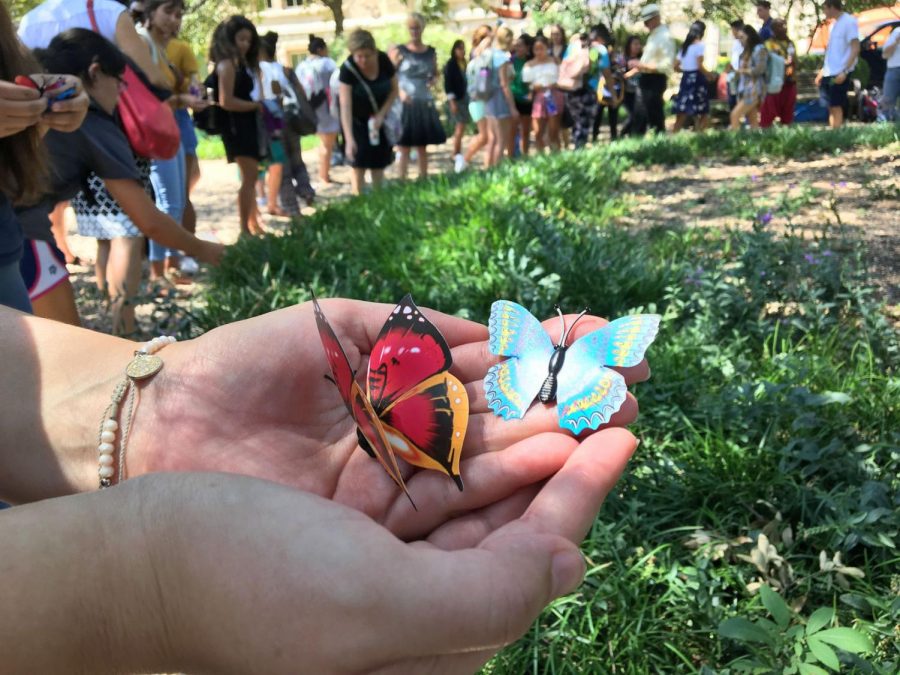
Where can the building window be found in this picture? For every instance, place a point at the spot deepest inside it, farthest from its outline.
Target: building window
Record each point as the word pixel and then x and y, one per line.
pixel 293 3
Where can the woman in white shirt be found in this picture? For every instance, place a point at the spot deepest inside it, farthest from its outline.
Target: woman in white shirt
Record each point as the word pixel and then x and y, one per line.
pixel 891 52
pixel 542 74
pixel 692 99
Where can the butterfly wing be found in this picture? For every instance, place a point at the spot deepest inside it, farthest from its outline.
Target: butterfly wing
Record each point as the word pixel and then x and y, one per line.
pixel 512 385
pixel 359 407
pixel 589 393
pixel 427 426
pixel 372 430
pixel 409 350
pixel 337 358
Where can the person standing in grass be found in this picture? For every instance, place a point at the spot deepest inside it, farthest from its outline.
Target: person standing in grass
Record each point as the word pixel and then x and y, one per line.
pixel 841 53
pixel 656 64
pixel 542 74
pixel 500 109
pixel 456 90
pixel 752 82
pixel 235 51
pixel 891 52
pixel 734 63
pixel 416 65
pixel 632 55
pixel 481 42
pixel 521 54
pixel 314 73
pixel 368 89
pixel 781 105
pixel 692 99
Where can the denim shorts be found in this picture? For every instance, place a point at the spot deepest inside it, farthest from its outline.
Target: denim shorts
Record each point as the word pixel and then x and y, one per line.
pixel 188 134
pixel 497 106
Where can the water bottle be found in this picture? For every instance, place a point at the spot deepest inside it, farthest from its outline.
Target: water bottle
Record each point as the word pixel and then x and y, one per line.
pixel 374 132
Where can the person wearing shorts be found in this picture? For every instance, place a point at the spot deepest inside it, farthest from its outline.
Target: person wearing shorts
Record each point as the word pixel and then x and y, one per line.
pixel 841 53
pixel 43 269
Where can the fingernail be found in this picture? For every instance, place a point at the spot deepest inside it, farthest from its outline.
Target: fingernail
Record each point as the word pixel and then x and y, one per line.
pixel 568 570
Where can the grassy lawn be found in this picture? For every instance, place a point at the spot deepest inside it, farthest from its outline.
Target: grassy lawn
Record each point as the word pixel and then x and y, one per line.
pixel 210 147
pixel 757 528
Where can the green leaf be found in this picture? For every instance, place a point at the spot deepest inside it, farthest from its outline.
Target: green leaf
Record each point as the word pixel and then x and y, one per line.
pixel 776 606
pixel 823 653
pixel 810 669
pixel 819 619
pixel 739 628
pixel 847 639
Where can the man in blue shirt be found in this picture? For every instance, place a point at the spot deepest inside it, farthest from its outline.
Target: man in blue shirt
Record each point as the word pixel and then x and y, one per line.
pixel 764 12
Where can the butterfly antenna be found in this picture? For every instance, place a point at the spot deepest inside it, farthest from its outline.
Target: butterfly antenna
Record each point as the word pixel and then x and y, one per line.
pixel 562 330
pixel 577 319
pixel 458 480
pixel 330 379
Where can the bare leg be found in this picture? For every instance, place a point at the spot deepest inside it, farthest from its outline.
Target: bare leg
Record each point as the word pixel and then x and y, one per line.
pixel 377 178
pixel 478 141
pixel 680 119
pixel 273 186
pixel 702 122
pixel 58 227
pixel 403 165
pixel 58 304
pixel 422 160
pixel 101 263
pixel 540 127
pixel 357 180
pixel 458 132
pixel 525 133
pixel 192 176
pixel 124 277
pixel 495 144
pixel 553 132
pixel 753 117
pixel 326 147
pixel 835 117
pixel 246 194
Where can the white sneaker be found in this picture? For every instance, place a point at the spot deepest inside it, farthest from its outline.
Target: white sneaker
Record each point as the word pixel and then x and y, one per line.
pixel 459 164
pixel 189 266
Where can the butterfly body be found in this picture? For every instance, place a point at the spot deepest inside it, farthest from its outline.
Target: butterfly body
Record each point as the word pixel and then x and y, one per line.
pixel 577 376
pixel 412 407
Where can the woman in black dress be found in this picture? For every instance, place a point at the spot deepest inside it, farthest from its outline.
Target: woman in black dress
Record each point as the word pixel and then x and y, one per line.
pixel 235 51
pixel 368 88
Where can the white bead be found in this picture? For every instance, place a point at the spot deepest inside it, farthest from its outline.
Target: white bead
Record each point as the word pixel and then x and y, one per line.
pixel 106 460
pixel 107 437
pixel 106 448
pixel 110 425
pixel 106 472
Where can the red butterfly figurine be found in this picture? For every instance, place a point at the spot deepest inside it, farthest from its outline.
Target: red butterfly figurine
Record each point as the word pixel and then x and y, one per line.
pixel 413 407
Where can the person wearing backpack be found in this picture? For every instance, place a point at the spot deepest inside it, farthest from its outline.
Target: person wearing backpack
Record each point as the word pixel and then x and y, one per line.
pixel 494 79
pixel 315 74
pixel 781 104
pixel 752 85
pixel 481 43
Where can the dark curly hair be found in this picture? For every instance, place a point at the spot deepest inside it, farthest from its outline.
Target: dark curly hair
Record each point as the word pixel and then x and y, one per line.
pixel 224 46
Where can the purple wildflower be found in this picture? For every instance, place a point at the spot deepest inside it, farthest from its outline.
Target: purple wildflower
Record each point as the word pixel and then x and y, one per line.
pixel 754 178
pixel 811 259
pixel 827 253
pixel 842 184
pixel 762 273
pixel 765 218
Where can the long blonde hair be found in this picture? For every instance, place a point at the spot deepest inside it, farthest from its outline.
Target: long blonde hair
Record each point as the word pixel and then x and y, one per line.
pixel 504 38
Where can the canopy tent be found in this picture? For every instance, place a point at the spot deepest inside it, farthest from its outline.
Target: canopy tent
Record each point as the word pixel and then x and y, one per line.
pixel 869 21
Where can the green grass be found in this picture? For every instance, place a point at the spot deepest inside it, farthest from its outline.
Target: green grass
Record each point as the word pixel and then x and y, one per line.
pixel 210 147
pixel 774 406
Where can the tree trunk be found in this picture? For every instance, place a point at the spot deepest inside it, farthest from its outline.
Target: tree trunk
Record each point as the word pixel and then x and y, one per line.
pixel 337 10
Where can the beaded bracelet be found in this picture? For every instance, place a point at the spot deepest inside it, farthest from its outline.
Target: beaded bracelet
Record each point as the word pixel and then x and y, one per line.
pixel 144 365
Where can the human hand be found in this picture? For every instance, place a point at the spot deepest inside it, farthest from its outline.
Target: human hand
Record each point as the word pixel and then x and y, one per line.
pixel 195 103
pixel 818 79
pixel 210 252
pixel 260 574
pixel 252 398
pixel 840 78
pixel 349 147
pixel 66 115
pixel 20 108
pixel 454 106
pixel 631 73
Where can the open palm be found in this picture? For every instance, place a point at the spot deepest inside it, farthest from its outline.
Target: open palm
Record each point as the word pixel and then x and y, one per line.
pixel 251 398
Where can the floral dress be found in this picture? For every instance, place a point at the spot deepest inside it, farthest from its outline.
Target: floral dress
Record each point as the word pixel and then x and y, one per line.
pixel 752 87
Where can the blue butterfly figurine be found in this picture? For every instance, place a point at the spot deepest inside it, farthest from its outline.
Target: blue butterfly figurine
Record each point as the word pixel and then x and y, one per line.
pixel 577 376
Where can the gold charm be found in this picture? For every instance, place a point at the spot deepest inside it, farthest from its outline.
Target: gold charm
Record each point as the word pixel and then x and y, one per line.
pixel 143 366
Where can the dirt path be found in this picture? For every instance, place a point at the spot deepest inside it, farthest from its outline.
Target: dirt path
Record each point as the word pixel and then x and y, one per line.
pixel 861 188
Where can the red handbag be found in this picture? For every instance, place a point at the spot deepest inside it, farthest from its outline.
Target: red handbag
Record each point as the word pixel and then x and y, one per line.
pixel 148 123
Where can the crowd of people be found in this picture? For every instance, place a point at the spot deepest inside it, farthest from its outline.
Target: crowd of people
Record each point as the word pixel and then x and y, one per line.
pixel 517 93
